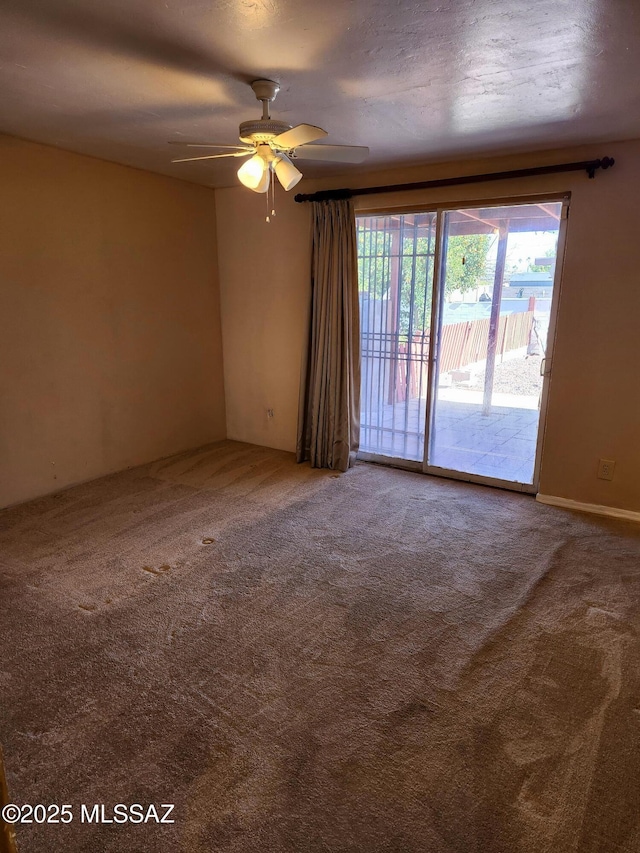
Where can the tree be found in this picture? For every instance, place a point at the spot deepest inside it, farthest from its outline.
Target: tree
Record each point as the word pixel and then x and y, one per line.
pixel 550 253
pixel 466 261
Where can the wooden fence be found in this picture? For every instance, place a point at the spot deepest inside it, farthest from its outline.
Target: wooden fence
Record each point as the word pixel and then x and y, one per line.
pixel 462 344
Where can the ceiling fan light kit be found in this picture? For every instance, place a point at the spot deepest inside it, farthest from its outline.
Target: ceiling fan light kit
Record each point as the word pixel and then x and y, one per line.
pixel 273 143
pixel 254 174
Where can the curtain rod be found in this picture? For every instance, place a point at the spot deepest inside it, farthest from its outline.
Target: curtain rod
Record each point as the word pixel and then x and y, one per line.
pixel 590 166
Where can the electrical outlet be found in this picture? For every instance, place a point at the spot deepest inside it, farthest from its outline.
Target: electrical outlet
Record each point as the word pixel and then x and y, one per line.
pixel 605 469
pixel 269 413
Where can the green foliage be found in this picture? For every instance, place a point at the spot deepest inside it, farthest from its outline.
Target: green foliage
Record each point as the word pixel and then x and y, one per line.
pixel 374 249
pixel 549 253
pixel 466 261
pixel 415 260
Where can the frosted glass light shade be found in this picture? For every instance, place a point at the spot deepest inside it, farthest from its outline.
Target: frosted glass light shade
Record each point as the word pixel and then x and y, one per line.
pixel 287 173
pixel 254 174
pixel 263 186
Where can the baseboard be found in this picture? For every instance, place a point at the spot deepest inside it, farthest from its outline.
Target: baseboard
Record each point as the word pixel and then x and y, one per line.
pixel 596 509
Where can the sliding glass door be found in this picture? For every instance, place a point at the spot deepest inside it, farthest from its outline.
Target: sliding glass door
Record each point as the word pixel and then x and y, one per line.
pixel 396 262
pixel 466 401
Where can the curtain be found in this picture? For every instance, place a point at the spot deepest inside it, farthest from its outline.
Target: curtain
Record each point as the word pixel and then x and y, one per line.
pixel 329 422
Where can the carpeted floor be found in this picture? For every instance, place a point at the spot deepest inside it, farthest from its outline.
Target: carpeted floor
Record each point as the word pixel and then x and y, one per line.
pixel 377 661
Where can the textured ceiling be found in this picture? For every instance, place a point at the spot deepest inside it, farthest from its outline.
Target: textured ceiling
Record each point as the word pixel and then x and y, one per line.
pixel 415 81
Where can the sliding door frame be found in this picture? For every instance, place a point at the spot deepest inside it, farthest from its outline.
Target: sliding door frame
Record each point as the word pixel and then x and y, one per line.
pixel 436 310
pixel 551 338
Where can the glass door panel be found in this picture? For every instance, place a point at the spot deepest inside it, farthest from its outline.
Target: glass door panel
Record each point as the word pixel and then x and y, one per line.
pixel 495 293
pixel 395 267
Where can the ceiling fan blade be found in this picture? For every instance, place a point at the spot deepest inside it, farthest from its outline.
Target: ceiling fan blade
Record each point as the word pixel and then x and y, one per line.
pixel 214 156
pixel 298 135
pixel 210 145
pixel 333 153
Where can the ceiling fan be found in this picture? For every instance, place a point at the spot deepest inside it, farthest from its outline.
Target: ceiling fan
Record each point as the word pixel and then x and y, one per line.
pixel 274 145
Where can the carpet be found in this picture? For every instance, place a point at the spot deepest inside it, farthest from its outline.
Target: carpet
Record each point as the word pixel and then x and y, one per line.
pixel 301 661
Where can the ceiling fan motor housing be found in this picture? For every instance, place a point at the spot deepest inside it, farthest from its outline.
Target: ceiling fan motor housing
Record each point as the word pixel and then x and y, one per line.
pixel 261 130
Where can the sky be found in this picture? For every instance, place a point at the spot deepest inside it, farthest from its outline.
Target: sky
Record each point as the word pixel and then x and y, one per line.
pixel 523 248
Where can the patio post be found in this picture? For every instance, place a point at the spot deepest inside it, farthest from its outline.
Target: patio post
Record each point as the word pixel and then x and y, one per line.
pixel 494 321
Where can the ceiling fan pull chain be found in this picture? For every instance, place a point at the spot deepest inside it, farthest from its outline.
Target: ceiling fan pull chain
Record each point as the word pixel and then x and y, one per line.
pixel 273 197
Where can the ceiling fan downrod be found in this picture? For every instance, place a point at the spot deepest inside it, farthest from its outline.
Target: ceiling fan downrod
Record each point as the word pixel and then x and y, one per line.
pixel 265 91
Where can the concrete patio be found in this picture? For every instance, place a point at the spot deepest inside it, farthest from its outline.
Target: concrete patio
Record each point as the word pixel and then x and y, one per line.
pixel 500 445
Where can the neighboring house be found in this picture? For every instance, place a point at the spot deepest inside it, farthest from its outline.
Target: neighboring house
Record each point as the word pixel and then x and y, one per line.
pixel 530 283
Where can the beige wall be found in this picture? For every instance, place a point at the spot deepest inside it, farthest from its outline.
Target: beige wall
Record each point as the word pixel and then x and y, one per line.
pixel 594 402
pixel 110 344
pixel 265 271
